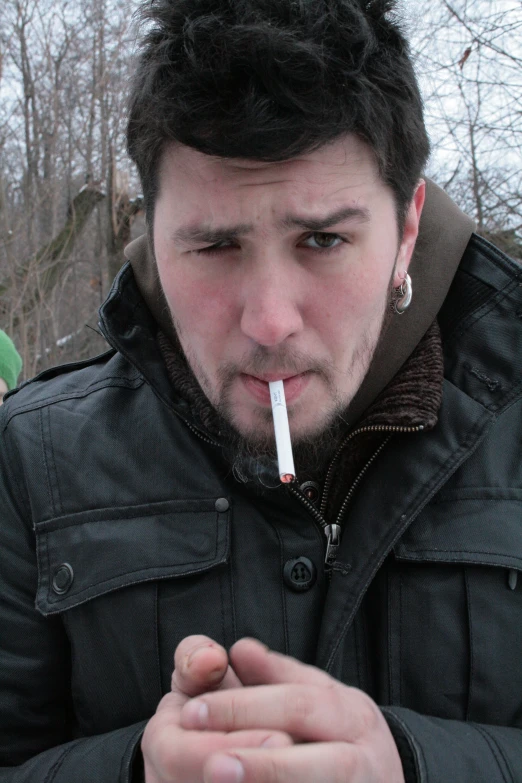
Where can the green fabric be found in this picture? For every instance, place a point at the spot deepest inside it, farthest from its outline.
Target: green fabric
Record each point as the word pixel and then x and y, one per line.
pixel 10 361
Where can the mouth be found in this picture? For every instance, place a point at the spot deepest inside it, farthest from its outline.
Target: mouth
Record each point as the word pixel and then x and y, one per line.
pixel 257 386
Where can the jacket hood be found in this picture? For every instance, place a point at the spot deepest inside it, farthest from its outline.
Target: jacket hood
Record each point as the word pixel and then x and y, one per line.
pixel 443 236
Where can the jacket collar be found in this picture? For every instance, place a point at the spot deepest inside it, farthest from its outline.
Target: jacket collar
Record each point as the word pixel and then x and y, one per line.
pixel 128 326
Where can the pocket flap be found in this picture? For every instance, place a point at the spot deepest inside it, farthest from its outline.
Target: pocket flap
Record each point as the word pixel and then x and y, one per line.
pixel 482 527
pixel 85 555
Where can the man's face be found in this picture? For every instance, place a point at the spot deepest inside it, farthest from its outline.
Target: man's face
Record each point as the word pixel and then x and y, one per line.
pixel 279 271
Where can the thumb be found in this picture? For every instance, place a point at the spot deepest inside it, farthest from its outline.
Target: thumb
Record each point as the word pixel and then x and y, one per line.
pixel 201 665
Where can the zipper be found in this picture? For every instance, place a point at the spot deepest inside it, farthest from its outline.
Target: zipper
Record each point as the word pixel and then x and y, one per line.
pixel 198 432
pixel 344 443
pixel 359 478
pixel 333 531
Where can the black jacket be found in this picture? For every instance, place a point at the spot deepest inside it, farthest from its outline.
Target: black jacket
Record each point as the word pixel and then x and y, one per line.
pixel 122 521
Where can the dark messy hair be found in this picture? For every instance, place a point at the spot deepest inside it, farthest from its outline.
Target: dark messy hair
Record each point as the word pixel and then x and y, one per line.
pixel 269 80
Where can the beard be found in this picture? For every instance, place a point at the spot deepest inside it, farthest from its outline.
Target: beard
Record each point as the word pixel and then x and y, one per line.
pixel 251 452
pixel 253 458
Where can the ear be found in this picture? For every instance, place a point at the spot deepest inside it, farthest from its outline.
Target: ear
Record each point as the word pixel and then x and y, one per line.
pixel 410 233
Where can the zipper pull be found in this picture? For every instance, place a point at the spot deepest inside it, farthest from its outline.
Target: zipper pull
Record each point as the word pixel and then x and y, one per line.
pixel 333 539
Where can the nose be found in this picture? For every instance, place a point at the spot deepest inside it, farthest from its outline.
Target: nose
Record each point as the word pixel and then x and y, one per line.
pixel 271 310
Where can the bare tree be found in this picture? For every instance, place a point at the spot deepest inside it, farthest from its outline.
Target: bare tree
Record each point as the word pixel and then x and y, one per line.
pixel 69 196
pixel 469 55
pixel 64 70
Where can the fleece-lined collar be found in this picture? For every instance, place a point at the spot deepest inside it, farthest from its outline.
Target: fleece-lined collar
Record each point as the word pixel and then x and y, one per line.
pixel 410 401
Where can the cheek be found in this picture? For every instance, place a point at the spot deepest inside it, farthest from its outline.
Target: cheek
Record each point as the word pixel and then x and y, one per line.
pixel 355 297
pixel 203 311
pixel 349 310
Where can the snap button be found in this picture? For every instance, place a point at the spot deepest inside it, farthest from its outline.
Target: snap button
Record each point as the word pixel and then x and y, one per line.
pixel 63 578
pixel 311 490
pixel 222 505
pixel 299 574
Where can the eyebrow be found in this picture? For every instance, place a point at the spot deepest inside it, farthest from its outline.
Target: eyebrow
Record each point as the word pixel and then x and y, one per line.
pixel 359 214
pixel 201 233
pixel 204 233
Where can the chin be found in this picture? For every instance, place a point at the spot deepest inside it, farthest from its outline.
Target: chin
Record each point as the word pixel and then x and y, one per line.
pixel 258 427
pixel 307 433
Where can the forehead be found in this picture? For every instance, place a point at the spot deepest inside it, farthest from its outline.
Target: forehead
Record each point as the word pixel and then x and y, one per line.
pixel 345 164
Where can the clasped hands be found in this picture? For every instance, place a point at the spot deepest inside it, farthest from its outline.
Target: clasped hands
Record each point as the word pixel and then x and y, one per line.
pixel 256 716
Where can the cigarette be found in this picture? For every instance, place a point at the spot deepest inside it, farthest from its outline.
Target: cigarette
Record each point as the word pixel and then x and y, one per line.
pixel 285 458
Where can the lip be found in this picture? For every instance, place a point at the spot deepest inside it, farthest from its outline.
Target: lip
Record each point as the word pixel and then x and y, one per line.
pixel 257 386
pixel 276 376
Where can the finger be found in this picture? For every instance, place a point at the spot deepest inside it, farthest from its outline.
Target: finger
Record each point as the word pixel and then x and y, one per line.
pixel 169 708
pixel 181 755
pixel 201 665
pixel 255 664
pixel 297 764
pixel 306 712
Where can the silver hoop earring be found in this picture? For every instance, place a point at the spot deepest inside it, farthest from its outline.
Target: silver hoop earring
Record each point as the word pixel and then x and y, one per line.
pixel 403 301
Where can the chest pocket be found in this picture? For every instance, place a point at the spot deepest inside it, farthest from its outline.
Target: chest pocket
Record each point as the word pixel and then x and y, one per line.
pixel 455 610
pixel 128 584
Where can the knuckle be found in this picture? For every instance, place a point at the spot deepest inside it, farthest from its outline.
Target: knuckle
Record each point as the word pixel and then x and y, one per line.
pixel 336 700
pixel 299 708
pixel 273 771
pixel 370 718
pixel 169 706
pixel 237 712
pixel 368 715
pixel 345 762
pixel 159 746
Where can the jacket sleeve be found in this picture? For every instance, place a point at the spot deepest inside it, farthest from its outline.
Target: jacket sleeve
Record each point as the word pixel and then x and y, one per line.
pixel 37 735
pixel 434 750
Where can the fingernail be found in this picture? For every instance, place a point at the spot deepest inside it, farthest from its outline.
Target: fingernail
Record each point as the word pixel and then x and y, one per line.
pixel 192 655
pixel 195 714
pixel 211 675
pixel 225 769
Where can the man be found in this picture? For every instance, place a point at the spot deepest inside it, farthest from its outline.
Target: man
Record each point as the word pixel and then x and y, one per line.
pixel 280 146
pixel 10 365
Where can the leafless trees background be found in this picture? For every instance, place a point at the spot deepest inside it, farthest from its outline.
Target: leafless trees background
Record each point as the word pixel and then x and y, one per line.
pixel 69 198
pixel 469 56
pixel 65 208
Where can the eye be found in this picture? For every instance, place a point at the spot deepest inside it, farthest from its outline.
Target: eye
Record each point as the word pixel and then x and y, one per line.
pixel 217 248
pixel 323 241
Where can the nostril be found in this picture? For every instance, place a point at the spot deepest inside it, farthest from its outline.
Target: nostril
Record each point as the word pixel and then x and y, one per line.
pixel 270 326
